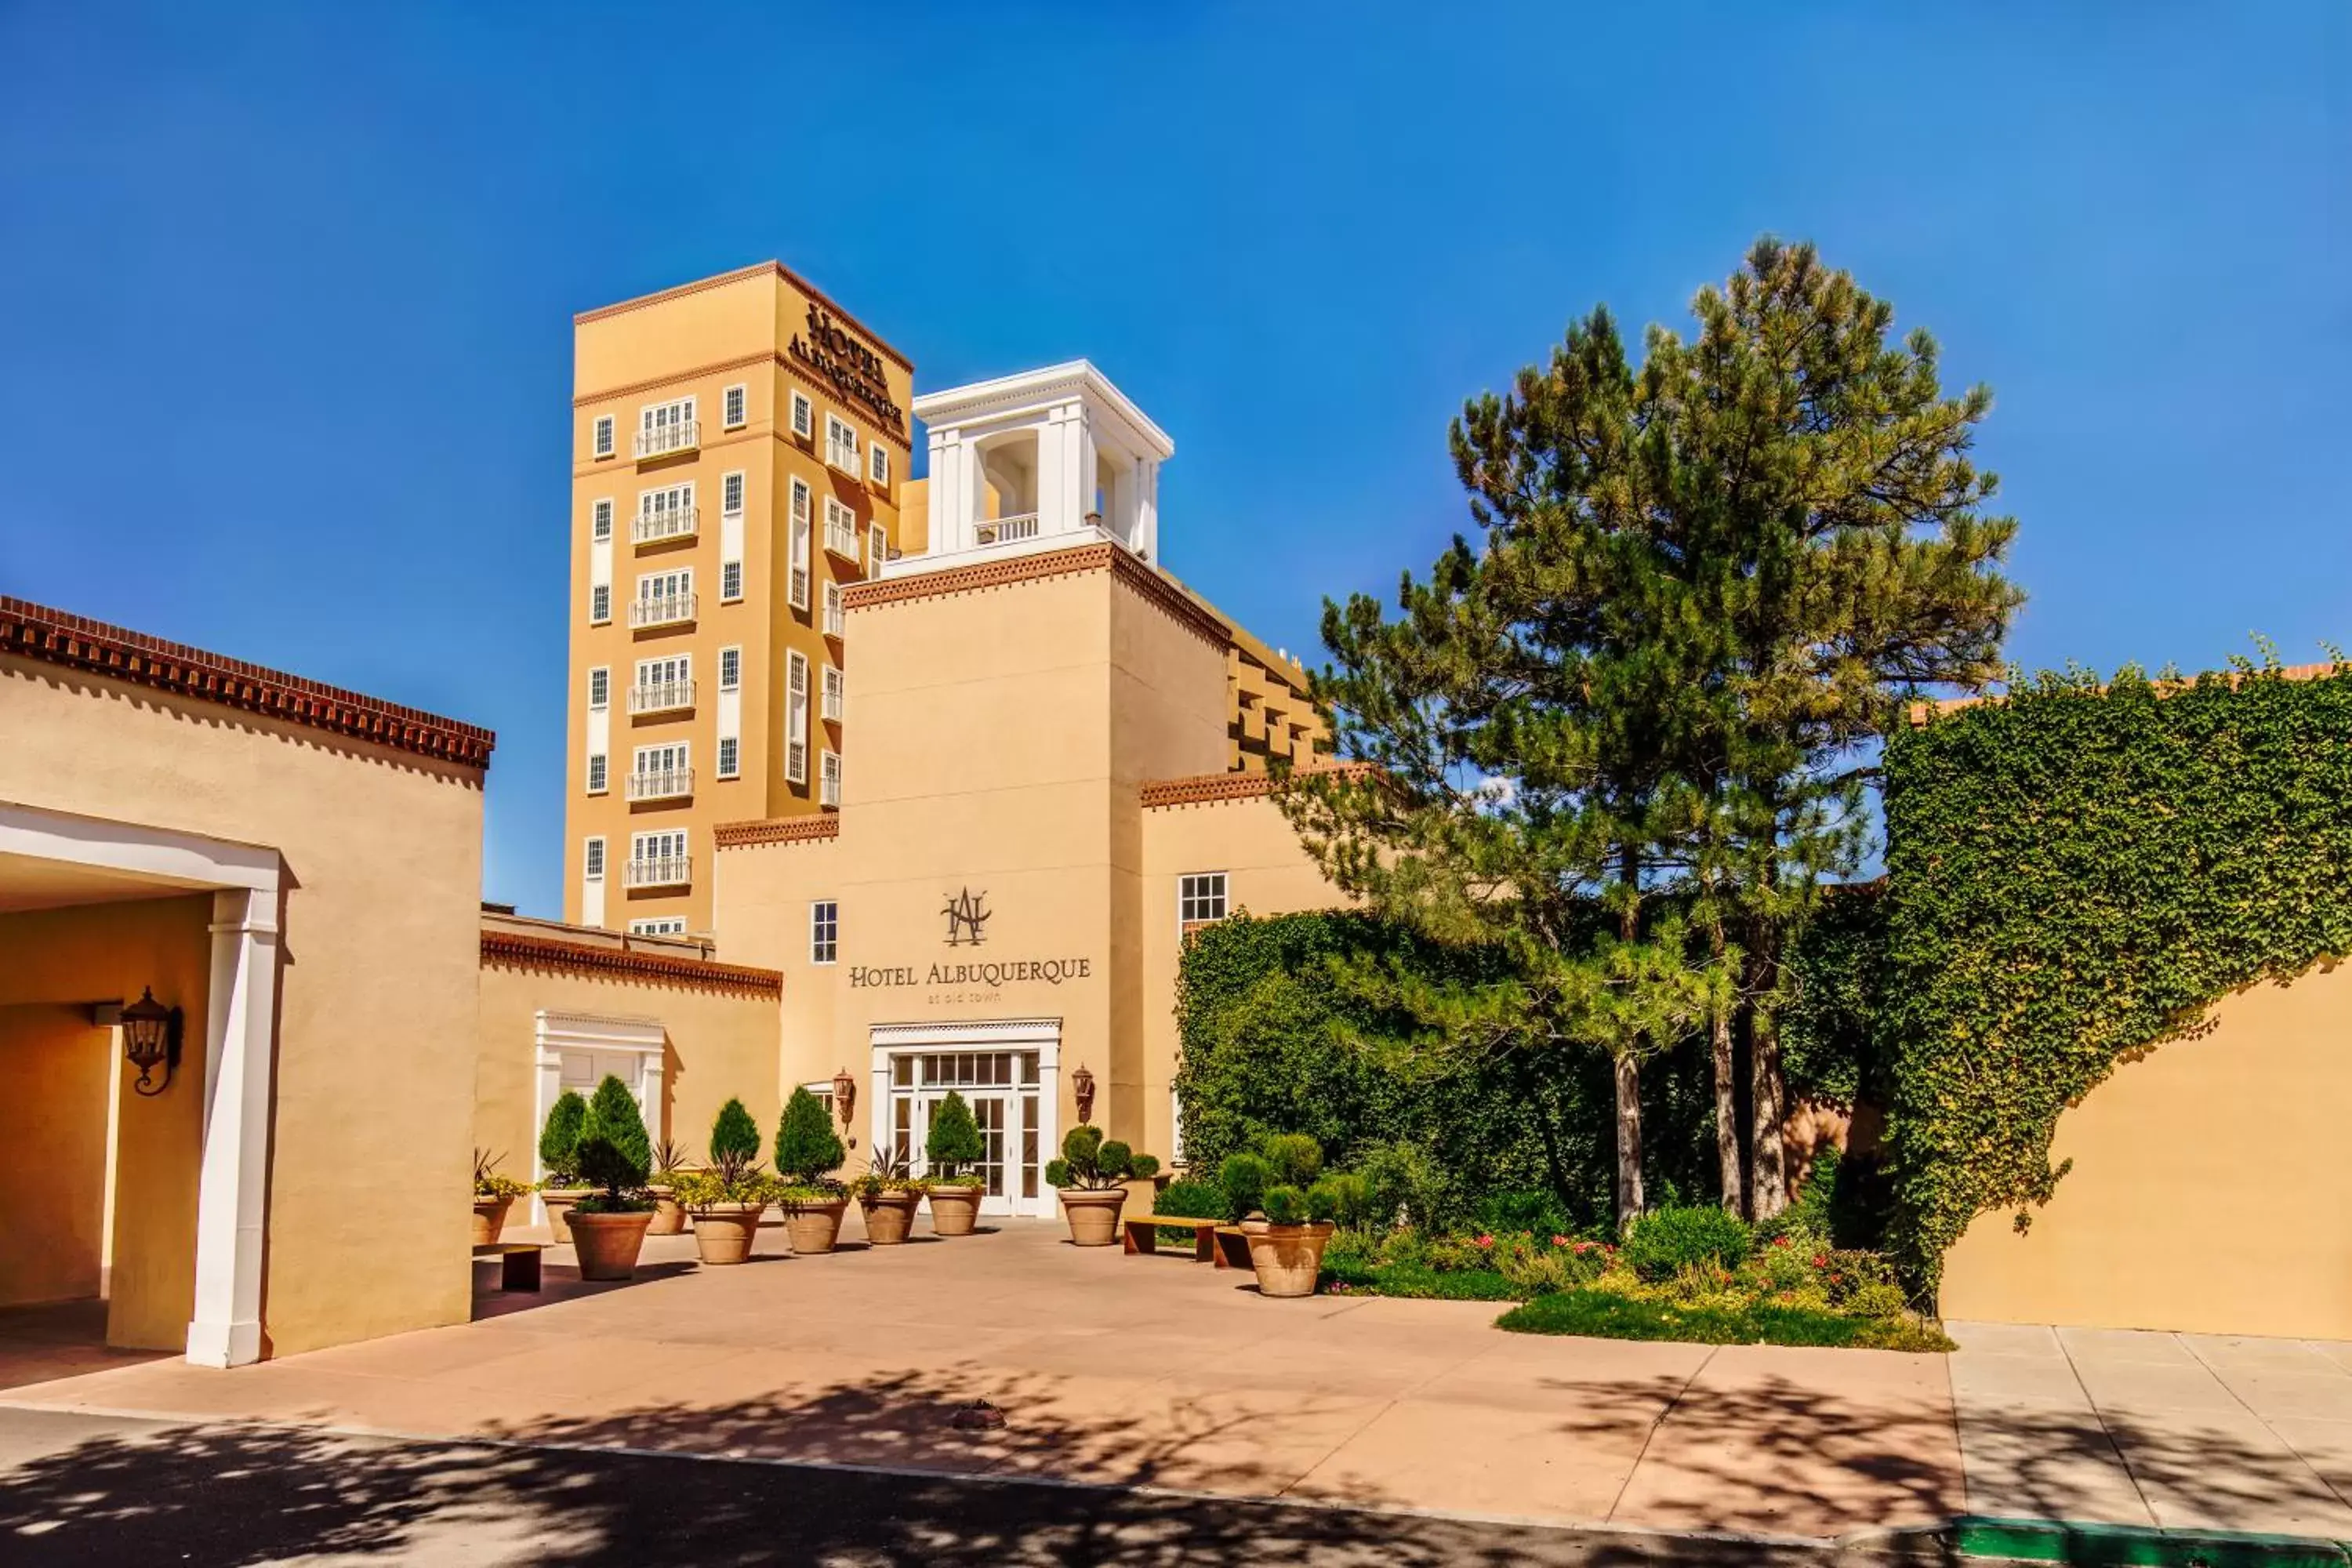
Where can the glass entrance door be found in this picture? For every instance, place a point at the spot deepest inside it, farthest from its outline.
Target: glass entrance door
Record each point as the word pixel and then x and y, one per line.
pixel 1002 1088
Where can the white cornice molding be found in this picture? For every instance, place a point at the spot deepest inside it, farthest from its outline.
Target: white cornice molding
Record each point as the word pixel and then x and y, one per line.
pixel 1038 389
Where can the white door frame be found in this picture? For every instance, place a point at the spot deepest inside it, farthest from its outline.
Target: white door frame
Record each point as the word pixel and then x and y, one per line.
pixel 559 1032
pixel 240 1040
pixel 1043 1036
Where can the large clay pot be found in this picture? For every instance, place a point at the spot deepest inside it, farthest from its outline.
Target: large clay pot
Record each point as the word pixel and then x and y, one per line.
pixel 889 1215
pixel 558 1202
pixel 723 1233
pixel 1093 1215
pixel 489 1219
pixel 812 1225
pixel 1287 1259
pixel 954 1210
pixel 670 1215
pixel 608 1244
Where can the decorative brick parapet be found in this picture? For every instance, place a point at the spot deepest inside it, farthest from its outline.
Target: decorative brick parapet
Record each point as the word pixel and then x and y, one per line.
pixel 579 957
pixel 36 631
pixel 1075 562
pixel 777 830
pixel 1201 788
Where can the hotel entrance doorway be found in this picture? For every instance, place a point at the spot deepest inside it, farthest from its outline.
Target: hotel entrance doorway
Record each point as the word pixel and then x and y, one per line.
pixel 1008 1074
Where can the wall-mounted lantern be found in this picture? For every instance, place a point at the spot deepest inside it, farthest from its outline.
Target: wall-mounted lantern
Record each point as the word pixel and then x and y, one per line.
pixel 150 1038
pixel 1082 1085
pixel 844 1096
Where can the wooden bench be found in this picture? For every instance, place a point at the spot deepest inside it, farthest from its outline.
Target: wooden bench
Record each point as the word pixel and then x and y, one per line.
pixel 1213 1240
pixel 518 1263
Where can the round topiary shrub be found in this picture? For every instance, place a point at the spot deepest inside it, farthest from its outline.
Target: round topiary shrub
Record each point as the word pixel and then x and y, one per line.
pixel 955 1142
pixel 1662 1242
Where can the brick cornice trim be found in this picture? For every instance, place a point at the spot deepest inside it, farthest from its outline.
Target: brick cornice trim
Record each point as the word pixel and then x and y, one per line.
pixel 772 269
pixel 776 830
pixel 36 631
pixel 1201 788
pixel 1122 566
pixel 579 958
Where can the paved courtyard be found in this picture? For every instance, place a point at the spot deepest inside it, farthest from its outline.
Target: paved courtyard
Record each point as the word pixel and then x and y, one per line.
pixel 1160 1373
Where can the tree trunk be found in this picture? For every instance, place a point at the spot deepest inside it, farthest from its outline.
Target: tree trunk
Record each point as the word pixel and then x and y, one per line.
pixel 1628 1140
pixel 1769 1182
pixel 1727 1113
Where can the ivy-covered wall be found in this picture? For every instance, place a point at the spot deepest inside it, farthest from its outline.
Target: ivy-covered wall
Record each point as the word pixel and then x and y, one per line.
pixel 2073 875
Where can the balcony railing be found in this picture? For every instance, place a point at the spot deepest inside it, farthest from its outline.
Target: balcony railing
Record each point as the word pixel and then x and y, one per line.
pixel 832 616
pixel 1006 530
pixel 678 522
pixel 661 697
pixel 661 784
pixel 668 610
pixel 663 439
pixel 841 538
pixel 661 871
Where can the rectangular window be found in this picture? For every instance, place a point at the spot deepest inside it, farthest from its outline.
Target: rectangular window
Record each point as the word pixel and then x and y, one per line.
pixel 600 687
pixel 841 443
pixel 878 466
pixel 878 549
pixel 730 581
pixel 731 404
pixel 730 670
pixel 658 859
pixel 833 609
pixel 663 925
pixel 600 527
pixel 730 494
pixel 602 442
pixel 666 513
pixel 600 603
pixel 840 530
pixel 662 763
pixel 597 784
pixel 730 756
pixel 824 930
pixel 796 718
pixel 664 427
pixel 829 779
pixel 799 589
pixel 1200 899
pixel 833 694
pixel 663 685
pixel 592 859
pixel 804 415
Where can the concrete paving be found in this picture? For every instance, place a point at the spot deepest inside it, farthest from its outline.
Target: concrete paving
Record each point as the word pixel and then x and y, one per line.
pixel 1157 1371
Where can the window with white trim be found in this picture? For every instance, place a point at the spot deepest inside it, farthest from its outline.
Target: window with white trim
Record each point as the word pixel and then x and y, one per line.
pixel 732 406
pixel 666 513
pixel 600 687
pixel 601 443
pixel 666 764
pixel 667 428
pixel 840 443
pixel 600 603
pixel 663 683
pixel 730 670
pixel 828 775
pixel 658 857
pixel 730 493
pixel 592 859
pixel 824 930
pixel 877 464
pixel 660 925
pixel 731 582
pixel 840 528
pixel 878 549
pixel 1200 899
pixel 730 757
pixel 796 716
pixel 797 590
pixel 831 609
pixel 804 415
pixel 597 782
pixel 600 521
pixel 833 694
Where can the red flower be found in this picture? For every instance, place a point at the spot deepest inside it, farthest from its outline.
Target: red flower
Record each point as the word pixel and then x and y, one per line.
pixel 1820 1260
pixel 1563 1241
pixel 1486 1241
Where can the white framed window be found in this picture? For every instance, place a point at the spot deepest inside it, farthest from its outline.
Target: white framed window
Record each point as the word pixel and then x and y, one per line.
pixel 1200 899
pixel 878 549
pixel 592 859
pixel 600 442
pixel 663 684
pixel 600 603
pixel 730 670
pixel 877 464
pixel 840 443
pixel 664 427
pixel 796 716
pixel 730 494
pixel 661 772
pixel 804 415
pixel 732 406
pixel 666 513
pixel 660 925
pixel 600 687
pixel 840 528
pixel 833 693
pixel 798 590
pixel 731 582
pixel 600 521
pixel 828 777
pixel 824 930
pixel 597 782
pixel 833 617
pixel 664 597
pixel 730 757
pixel 658 859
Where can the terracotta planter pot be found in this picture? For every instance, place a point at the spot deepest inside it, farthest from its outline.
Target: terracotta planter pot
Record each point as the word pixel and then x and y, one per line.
pixel 889 1215
pixel 608 1244
pixel 559 1202
pixel 954 1210
pixel 489 1219
pixel 1092 1216
pixel 723 1233
pixel 814 1227
pixel 670 1215
pixel 1286 1258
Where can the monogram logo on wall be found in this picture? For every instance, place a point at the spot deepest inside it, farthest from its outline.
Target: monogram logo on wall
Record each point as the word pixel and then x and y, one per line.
pixel 966 912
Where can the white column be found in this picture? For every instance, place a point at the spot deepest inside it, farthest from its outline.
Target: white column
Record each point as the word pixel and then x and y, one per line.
pixel 877 1108
pixel 1146 508
pixel 548 1062
pixel 1086 469
pixel 231 1195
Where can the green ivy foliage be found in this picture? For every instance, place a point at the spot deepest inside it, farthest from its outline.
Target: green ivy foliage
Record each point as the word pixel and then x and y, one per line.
pixel 2074 876
pixel 1831 1024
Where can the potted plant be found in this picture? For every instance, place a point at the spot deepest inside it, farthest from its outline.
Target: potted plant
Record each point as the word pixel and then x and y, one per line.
pixel 613 1155
pixel 729 1196
pixel 670 1215
pixel 558 1143
pixel 1286 1213
pixel 1092 1176
pixel 807 1151
pixel 953 1145
pixel 889 1193
pixel 493 1196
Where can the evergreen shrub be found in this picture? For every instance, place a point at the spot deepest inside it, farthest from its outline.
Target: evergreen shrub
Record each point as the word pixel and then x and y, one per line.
pixel 807 1148
pixel 560 1138
pixel 954 1142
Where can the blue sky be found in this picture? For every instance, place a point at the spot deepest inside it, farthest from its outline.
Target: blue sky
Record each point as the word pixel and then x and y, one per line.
pixel 284 350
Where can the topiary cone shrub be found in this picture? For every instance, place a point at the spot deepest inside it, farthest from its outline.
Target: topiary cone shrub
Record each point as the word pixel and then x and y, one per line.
pixel 807 1151
pixel 614 1155
pixel 559 1144
pixel 952 1146
pixel 728 1197
pixel 1091 1175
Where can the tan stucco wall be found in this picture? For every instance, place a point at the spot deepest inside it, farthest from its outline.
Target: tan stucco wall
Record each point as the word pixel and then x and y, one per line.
pixel 54 1128
pixel 377 1015
pixel 721 1046
pixel 2208 1191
